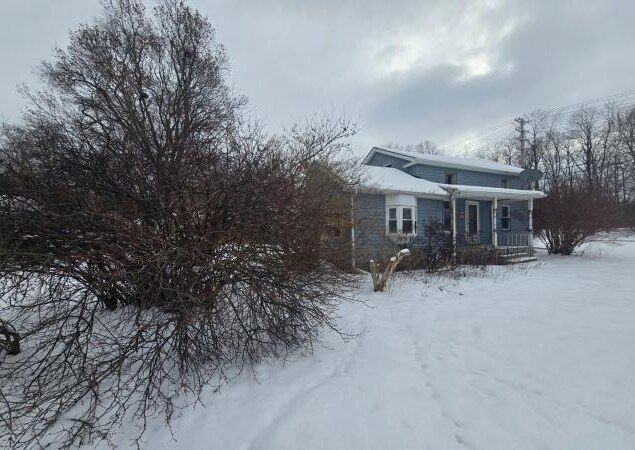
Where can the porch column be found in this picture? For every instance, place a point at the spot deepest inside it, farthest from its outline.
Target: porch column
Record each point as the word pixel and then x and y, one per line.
pixel 494 222
pixel 353 229
pixel 530 222
pixel 454 221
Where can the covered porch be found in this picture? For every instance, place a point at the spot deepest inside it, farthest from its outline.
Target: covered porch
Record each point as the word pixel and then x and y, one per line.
pixel 495 223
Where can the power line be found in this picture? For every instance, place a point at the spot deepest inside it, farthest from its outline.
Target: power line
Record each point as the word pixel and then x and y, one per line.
pixel 502 129
pixel 499 130
pixel 604 99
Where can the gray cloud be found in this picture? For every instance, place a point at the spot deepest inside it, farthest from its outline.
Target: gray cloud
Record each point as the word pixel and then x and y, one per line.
pixel 407 71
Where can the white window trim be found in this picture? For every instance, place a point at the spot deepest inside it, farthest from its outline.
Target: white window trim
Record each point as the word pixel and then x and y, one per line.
pixel 400 209
pixel 509 216
pixel 467 216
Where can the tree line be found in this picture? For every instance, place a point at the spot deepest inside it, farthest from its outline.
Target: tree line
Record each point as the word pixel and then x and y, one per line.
pixel 593 145
pixel 588 161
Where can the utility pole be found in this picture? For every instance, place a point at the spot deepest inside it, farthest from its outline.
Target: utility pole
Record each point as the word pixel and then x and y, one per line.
pixel 520 128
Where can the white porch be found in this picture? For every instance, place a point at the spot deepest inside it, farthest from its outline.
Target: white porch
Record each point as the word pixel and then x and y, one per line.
pixel 486 209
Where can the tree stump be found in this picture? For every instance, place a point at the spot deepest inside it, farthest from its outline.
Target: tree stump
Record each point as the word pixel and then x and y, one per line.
pixel 380 281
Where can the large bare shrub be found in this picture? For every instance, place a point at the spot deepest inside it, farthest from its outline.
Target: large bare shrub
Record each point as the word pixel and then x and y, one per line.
pixel 571 214
pixel 149 242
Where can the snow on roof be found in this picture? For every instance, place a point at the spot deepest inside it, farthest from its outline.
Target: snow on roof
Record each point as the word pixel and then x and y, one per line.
pixel 492 192
pixel 394 180
pixel 449 161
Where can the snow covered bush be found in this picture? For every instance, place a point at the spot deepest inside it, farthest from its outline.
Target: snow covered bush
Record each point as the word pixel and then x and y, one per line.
pixel 150 242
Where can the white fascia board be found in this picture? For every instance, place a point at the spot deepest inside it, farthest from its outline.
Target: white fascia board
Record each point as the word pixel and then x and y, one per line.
pixel 391 191
pixel 450 165
pixel 483 193
pixel 385 152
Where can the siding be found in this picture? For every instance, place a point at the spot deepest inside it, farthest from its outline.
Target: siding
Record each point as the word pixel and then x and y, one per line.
pixel 370 227
pixel 381 160
pixel 430 173
pixel 485 216
pixel 519 222
pixel 428 211
pixel 468 177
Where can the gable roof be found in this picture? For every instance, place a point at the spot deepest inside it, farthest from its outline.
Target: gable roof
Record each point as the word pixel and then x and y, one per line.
pixel 395 180
pixel 476 164
pixel 391 180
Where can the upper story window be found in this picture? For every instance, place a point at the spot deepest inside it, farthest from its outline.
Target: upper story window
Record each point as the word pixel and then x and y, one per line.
pixel 401 214
pixel 505 183
pixel 450 178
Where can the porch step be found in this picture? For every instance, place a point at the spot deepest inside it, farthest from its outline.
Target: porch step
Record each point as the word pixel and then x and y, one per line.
pixel 515 255
pixel 518 260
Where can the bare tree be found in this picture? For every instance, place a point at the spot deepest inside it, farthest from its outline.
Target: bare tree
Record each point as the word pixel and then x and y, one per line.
pixel 504 151
pixel 625 158
pixel 150 242
pixel 584 130
pixel 538 123
pixel 626 129
pixel 424 147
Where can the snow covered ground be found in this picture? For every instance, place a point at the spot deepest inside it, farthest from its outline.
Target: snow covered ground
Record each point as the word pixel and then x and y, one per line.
pixel 542 358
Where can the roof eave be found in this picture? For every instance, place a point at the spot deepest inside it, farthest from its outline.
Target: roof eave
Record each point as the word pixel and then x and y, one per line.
pixel 461 166
pixel 385 152
pixel 484 195
pixel 372 190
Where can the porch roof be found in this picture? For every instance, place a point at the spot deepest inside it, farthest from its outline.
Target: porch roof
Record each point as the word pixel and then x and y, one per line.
pixel 489 193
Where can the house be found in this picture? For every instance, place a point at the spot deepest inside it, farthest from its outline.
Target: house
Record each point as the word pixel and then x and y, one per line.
pixel 478 203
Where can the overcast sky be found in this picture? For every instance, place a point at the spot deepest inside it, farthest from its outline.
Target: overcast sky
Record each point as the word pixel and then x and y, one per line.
pixel 405 71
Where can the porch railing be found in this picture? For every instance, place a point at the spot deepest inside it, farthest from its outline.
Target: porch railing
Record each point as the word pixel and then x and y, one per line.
pixel 504 240
pixel 467 239
pixel 514 239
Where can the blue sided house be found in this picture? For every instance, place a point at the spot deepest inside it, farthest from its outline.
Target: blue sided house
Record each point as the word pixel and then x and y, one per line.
pixel 477 202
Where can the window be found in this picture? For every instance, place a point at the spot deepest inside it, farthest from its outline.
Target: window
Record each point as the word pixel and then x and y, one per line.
pixel 392 220
pixel 407 223
pixel 450 178
pixel 402 220
pixel 505 218
pixel 401 214
pixel 505 183
pixel 447 216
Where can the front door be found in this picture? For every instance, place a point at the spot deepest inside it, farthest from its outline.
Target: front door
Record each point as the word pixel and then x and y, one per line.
pixel 472 226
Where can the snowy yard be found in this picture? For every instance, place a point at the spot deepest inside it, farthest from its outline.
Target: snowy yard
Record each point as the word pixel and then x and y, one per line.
pixel 542 358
